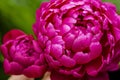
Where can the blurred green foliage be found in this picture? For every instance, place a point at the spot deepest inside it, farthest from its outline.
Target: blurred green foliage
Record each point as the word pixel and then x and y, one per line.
pixel 20 14
pixel 16 14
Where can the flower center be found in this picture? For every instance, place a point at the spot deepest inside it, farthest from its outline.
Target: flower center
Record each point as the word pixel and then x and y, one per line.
pixel 80 22
pixel 25 48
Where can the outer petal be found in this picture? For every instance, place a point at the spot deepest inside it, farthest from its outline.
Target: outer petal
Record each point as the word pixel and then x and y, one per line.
pixel 41 60
pixel 116 33
pixel 34 71
pixel 81 58
pixel 52 0
pixel 52 63
pixel 36 46
pixel 95 50
pixel 57 76
pixel 25 61
pixel 113 65
pixel 57 40
pixel 94 66
pixel 67 61
pixel 40 11
pixel 56 51
pixel 101 76
pixel 69 39
pixel 11 35
pixel 12 68
pixel 5 48
pixel 110 67
pixel 112 6
pixel 50 30
pixel 114 19
pixel 81 42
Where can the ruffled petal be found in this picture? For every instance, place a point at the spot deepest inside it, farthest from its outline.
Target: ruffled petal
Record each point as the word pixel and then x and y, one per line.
pixel 5 48
pixel 56 51
pixel 81 42
pixel 67 61
pixel 94 66
pixel 12 67
pixel 25 61
pixel 52 63
pixel 95 50
pixel 116 33
pixel 81 58
pixel 57 76
pixel 34 71
pixel 101 76
pixel 13 34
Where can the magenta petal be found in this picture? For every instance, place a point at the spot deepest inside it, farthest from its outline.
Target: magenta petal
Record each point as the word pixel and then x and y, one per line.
pixel 13 34
pixel 57 21
pixel 52 0
pixel 114 18
pixel 113 65
pixel 57 76
pixel 57 40
pixel 95 50
pixel 50 30
pixel 52 63
pixel 81 58
pixel 110 5
pixel 67 61
pixel 7 66
pixel 56 51
pixel 81 42
pixel 69 39
pixel 25 61
pixel 101 76
pixel 67 7
pixel 35 29
pixel 69 20
pixel 94 66
pixel 4 51
pixel 76 72
pixel 64 29
pixel 34 71
pixel 116 33
pixel 40 11
pixel 41 60
pixel 36 46
pixel 12 68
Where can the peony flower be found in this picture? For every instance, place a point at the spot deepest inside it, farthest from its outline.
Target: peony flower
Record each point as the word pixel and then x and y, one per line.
pixel 22 55
pixel 80 38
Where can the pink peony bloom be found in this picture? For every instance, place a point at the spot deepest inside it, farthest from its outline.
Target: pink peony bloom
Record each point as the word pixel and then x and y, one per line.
pixel 22 55
pixel 81 38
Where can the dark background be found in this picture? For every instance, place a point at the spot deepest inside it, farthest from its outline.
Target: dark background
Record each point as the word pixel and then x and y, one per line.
pixel 114 75
pixel 20 14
